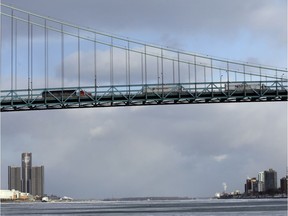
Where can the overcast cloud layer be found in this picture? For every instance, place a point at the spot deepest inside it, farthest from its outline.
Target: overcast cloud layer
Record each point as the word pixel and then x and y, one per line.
pixel 183 150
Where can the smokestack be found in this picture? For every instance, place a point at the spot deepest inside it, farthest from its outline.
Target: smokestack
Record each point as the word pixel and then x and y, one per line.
pixel 224 186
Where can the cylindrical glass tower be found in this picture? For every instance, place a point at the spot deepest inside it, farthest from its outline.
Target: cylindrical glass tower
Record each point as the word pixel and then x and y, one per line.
pixel 26 172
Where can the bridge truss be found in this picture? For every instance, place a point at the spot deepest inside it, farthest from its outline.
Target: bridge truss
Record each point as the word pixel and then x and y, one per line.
pixel 51 64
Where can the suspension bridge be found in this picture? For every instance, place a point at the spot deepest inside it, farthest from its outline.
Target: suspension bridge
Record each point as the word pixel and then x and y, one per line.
pixel 50 64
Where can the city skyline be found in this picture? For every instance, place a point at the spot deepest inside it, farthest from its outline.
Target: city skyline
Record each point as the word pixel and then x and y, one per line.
pixel 27 178
pixel 33 183
pixel 160 150
pixel 266 183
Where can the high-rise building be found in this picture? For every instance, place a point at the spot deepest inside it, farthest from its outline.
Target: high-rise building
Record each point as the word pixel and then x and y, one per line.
pixel 251 186
pixel 261 179
pixel 284 184
pixel 26 172
pixel 270 180
pixel 14 178
pixel 37 179
pixel 26 178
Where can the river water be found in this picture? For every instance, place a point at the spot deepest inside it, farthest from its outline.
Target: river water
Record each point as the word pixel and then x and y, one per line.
pixel 275 207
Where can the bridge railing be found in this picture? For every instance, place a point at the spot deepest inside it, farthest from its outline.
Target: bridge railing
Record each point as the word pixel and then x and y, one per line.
pixel 123 90
pixel 143 94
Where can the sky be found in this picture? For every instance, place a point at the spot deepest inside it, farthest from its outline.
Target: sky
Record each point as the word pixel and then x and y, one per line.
pixel 181 150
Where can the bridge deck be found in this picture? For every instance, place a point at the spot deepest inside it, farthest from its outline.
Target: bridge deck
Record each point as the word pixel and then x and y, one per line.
pixel 136 95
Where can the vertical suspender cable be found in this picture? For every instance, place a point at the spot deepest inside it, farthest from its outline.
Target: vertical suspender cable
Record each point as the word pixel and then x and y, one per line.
pixel 145 59
pixel 45 53
pixel 189 75
pixel 29 56
pixel 45 60
pixel 16 57
pixel 228 72
pixel 158 76
pixel 195 71
pixel 277 84
pixel 62 57
pixel 47 57
pixel 126 68
pixel 12 51
pixel 111 69
pixel 31 59
pixel 129 78
pixel 212 83
pixel 142 70
pixel 95 67
pixel 211 63
pixel 244 74
pixel 62 63
pixel 228 87
pixel 220 77
pixel 179 68
pixel 250 76
pixel 173 65
pixel 205 75
pixel 162 68
pixel 78 59
pixel 162 74
pixel 111 64
pixel 260 71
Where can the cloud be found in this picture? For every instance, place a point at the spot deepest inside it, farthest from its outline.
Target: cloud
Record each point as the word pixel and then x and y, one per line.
pixel 98 131
pixel 102 130
pixel 220 158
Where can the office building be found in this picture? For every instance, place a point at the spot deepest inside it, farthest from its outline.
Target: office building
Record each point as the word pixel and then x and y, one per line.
pixel 251 186
pixel 26 172
pixel 37 178
pixel 270 180
pixel 14 178
pixel 26 178
pixel 284 184
pixel 261 179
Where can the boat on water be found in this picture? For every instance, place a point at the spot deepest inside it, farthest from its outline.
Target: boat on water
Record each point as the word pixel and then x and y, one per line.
pixel 65 198
pixel 45 199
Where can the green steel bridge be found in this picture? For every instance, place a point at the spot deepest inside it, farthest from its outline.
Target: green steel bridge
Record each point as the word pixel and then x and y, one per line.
pixel 51 64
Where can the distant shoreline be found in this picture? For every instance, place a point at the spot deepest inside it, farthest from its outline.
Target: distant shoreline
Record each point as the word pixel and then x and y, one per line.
pixel 125 199
pixel 228 196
